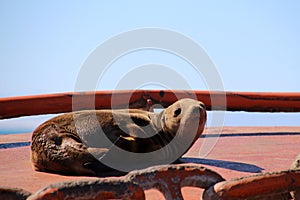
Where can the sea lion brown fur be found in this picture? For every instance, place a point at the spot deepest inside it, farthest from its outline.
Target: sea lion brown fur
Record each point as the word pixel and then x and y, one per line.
pixel 66 144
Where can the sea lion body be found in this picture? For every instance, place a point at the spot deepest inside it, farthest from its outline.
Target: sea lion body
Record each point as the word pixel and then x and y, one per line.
pixel 72 144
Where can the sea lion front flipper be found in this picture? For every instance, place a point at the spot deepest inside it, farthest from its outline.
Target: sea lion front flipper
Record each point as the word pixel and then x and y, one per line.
pixel 97 152
pixel 126 143
pixel 127 138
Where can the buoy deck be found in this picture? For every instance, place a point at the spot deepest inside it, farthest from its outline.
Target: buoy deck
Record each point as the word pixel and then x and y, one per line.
pixel 236 152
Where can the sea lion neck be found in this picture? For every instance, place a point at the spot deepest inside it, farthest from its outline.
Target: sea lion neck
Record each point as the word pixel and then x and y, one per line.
pixel 156 119
pixel 164 136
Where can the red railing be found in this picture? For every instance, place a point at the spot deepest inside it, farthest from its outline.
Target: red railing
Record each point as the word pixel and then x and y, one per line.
pixel 231 101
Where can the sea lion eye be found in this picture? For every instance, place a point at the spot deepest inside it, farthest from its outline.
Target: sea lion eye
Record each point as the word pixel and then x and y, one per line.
pixel 177 112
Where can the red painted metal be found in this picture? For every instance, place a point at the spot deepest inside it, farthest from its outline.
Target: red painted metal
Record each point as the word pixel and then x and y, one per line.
pixel 271 184
pixel 231 101
pixel 168 179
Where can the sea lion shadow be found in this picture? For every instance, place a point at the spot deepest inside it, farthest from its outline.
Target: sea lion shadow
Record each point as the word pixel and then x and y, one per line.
pixel 237 166
pixel 113 173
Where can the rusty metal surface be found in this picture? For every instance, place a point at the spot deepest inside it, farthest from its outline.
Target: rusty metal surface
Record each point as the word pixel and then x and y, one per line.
pixel 259 186
pixel 232 101
pixel 168 179
pixel 13 193
pixel 100 189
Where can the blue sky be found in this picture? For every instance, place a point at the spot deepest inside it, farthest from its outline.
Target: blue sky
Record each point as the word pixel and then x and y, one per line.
pixel 254 45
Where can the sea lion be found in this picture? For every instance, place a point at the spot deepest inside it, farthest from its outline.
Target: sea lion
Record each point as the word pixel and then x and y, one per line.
pixel 72 144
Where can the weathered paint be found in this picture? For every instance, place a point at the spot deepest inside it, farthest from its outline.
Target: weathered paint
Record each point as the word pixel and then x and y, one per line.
pixel 231 101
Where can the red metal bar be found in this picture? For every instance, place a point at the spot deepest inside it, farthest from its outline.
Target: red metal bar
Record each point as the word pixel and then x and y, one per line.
pixel 231 101
pixel 256 187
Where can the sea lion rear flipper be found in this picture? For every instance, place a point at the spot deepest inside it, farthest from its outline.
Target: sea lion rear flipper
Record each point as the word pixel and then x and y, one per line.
pixel 101 170
pixel 95 164
pixel 98 167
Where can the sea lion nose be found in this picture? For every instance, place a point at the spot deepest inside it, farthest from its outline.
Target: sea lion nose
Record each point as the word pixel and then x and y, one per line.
pixel 202 106
pixel 196 110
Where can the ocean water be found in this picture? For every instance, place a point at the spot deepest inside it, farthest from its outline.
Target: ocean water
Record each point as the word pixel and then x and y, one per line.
pixel 16 131
pixel 3 132
pixel 22 124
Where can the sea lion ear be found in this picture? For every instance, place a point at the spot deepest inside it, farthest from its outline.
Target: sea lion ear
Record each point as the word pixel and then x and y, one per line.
pixel 177 112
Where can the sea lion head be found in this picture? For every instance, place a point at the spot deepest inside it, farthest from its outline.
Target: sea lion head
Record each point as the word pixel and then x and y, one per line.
pixel 186 116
